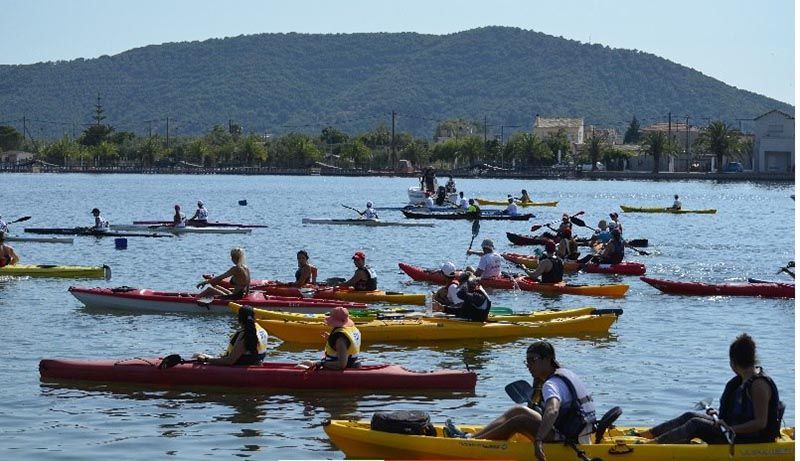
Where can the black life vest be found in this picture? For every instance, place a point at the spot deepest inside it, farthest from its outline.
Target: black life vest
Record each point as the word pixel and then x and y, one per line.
pixel 372 280
pixel 556 272
pixel 618 254
pixel 736 407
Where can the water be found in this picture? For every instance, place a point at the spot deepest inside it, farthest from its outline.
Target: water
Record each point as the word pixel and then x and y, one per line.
pixel 663 355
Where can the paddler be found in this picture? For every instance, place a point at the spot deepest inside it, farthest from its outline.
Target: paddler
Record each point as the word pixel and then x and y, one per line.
pixel 369 213
pixel 676 205
pixel 615 219
pixel 364 278
pixel 100 223
pixel 447 296
pixel 342 343
pixel 550 268
pixel 602 234
pixel 473 208
pixel 240 279
pixel 567 247
pixel 462 202
pixel 247 346
pixel 525 198
pixel 305 273
pixel 179 218
pixel 491 263
pixel 201 214
pixel 614 250
pixel 473 302
pixel 8 257
pixel 3 225
pixel 511 209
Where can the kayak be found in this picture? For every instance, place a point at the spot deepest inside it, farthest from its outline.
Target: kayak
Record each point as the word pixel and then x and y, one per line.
pixel 184 230
pixel 368 315
pixel 357 440
pixel 18 238
pixel 752 280
pixel 632 209
pixel 623 268
pixel 615 290
pixel 766 290
pixel 52 270
pixel 421 274
pixel 191 223
pixel 485 215
pixel 482 201
pixel 146 300
pixel 267 376
pixel 364 222
pixel 90 231
pixel 519 239
pixel 383 331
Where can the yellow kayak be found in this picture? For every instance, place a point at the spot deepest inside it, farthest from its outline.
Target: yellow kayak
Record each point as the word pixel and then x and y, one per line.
pixel 633 209
pixel 380 296
pixel 483 201
pixel 369 315
pixel 379 331
pixel 49 270
pixel 357 440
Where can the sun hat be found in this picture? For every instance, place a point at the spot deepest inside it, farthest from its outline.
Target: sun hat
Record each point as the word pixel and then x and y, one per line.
pixel 339 317
pixel 449 269
pixel 359 255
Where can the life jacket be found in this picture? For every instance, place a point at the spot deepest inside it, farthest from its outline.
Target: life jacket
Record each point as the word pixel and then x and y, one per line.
pixel 476 305
pixel 618 253
pixel 736 407
pixel 261 346
pixel 556 272
pixel 354 337
pixel 575 415
pixel 372 282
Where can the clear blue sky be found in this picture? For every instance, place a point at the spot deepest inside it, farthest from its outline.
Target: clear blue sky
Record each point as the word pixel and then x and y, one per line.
pixel 745 43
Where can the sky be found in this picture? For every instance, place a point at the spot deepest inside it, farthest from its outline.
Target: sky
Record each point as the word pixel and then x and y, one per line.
pixel 745 43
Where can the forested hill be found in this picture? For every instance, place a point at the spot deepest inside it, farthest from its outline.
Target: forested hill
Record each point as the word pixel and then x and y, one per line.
pixel 276 83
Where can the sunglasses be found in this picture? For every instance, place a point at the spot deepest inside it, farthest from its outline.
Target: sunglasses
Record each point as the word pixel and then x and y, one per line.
pixel 532 360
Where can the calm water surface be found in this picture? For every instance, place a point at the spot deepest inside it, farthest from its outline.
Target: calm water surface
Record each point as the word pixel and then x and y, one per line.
pixel 663 355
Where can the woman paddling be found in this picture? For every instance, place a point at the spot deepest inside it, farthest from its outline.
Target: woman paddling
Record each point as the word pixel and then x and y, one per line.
pixel 240 279
pixel 179 218
pixel 342 343
pixel 247 346
pixel 305 273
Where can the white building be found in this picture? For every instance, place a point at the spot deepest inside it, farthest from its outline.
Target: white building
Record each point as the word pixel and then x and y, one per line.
pixel 773 149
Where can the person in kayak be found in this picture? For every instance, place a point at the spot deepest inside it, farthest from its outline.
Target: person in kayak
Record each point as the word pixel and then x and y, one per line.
pixel 562 226
pixel 615 220
pixel 8 257
pixel 305 273
pixel 473 208
pixel 614 250
pixel 676 205
pixel 602 234
pixel 474 304
pixel 550 268
pixel 511 209
pixel 247 346
pixel 239 275
pixel 179 218
pixel 201 214
pixel 364 278
pixel 342 343
pixel 750 406
pixel 567 248
pixel 100 223
pixel 3 225
pixel 448 295
pixel 562 409
pixel 369 213
pixel 462 202
pixel 491 263
pixel 525 198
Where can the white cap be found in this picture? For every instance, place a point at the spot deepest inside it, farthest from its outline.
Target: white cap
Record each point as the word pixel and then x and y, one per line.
pixel 449 269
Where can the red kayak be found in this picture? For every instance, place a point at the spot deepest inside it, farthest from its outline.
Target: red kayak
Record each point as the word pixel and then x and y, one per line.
pixel 420 274
pixel 191 223
pixel 268 376
pixel 623 268
pixel 766 290
pixel 142 299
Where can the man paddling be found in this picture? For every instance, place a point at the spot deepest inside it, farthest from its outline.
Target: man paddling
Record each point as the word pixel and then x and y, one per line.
pixel 100 223
pixel 511 209
pixel 676 205
pixel 364 278
pixel 491 263
pixel 201 214
pixel 8 257
pixel 370 212
pixel 550 268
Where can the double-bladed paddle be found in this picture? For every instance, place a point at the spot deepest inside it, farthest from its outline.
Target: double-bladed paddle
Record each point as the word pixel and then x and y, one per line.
pixel 536 227
pixel 24 218
pixel 476 228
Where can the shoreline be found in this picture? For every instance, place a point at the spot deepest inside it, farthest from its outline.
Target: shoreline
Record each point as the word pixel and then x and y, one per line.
pixel 543 173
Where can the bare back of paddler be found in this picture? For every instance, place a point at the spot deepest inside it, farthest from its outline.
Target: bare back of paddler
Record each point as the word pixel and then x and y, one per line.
pixel 239 275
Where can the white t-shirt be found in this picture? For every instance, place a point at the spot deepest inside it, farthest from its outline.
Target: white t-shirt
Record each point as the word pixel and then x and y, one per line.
pixel 452 296
pixel 676 204
pixel 202 214
pixel 512 209
pixel 490 265
pixel 429 203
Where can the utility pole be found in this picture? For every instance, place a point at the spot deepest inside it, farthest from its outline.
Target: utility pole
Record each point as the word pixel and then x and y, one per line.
pixel 394 148
pixel 168 132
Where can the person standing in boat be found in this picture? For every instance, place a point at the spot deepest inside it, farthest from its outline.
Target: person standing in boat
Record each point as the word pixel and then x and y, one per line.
pixel 676 205
pixel 8 257
pixel 179 218
pixel 100 223
pixel 247 346
pixel 369 213
pixel 239 275
pixel 305 273
pixel 550 268
pixel 364 278
pixel 491 263
pixel 201 214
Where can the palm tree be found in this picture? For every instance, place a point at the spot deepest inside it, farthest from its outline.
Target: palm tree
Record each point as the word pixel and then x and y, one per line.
pixel 656 143
pixel 719 139
pixel 596 148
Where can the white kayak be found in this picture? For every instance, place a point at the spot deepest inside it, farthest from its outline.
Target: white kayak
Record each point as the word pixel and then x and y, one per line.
pixel 364 222
pixel 18 238
pixel 182 230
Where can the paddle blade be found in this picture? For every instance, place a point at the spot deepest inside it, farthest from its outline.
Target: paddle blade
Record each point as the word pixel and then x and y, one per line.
pixel 476 228
pixel 24 218
pixel 578 221
pixel 170 361
pixel 535 227
pixel 520 391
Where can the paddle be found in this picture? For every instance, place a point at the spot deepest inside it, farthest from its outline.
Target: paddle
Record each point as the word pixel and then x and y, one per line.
pixel 172 360
pixel 536 227
pixel 727 432
pixel 354 209
pixel 786 269
pixel 24 218
pixel 476 228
